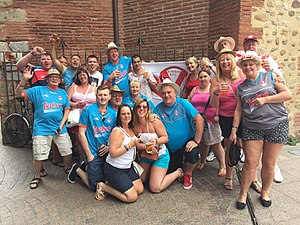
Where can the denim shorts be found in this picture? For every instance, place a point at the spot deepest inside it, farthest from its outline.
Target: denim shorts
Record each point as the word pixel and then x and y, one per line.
pixel 162 161
pixel 120 179
pixel 95 171
pixel 278 134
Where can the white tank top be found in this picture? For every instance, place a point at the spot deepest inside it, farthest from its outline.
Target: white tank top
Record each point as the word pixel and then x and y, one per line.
pixel 123 161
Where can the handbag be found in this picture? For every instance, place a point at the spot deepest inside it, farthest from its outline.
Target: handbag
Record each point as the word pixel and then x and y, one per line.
pixel 153 156
pixel 73 118
pixel 234 155
pixel 137 168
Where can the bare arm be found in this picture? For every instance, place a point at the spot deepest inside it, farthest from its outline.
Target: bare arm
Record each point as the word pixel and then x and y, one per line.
pixel 236 120
pixel 22 63
pixel 199 125
pixel 214 93
pixel 26 76
pixel 161 132
pixel 64 119
pixel 55 61
pixel 84 143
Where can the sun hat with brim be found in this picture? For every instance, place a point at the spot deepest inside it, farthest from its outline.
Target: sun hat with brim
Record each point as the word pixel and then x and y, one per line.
pixel 229 39
pixel 250 38
pixel 115 88
pixel 225 51
pixel 168 82
pixel 53 72
pixel 112 45
pixel 249 55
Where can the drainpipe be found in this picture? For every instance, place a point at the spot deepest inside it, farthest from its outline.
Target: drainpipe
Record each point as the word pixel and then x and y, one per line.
pixel 116 21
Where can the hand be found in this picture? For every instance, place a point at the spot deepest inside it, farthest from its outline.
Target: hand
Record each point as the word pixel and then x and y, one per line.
pixel 279 79
pixel 54 38
pixel 266 65
pixel 146 75
pixel 190 145
pixel 58 131
pixel 38 50
pixel 80 104
pixel 259 101
pixel 116 74
pixel 216 119
pixel 153 117
pixel 27 73
pixel 233 136
pixel 205 61
pixel 103 150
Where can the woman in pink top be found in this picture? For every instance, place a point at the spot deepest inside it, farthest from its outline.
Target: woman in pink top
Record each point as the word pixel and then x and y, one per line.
pixel 200 99
pixel 224 94
pixel 81 94
pixel 192 79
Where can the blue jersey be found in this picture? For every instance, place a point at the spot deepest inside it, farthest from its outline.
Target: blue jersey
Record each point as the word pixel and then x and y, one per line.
pixel 49 108
pixel 68 77
pixel 130 101
pixel 123 66
pixel 178 121
pixel 98 127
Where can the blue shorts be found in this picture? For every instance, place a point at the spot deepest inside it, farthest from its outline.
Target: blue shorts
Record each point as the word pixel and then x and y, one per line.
pixel 95 171
pixel 162 161
pixel 120 179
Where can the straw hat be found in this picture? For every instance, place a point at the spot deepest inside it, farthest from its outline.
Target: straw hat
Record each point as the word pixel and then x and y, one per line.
pixel 229 39
pixel 112 45
pixel 225 51
pixel 249 55
pixel 53 72
pixel 168 82
pixel 115 88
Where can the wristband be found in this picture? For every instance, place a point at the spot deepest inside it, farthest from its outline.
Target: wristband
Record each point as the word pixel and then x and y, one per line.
pixel 196 142
pixel 125 146
pixel 234 127
pixel 32 53
pixel 216 94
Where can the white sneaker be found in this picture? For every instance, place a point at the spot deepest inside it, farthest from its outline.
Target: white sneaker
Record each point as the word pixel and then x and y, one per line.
pixel 278 178
pixel 210 157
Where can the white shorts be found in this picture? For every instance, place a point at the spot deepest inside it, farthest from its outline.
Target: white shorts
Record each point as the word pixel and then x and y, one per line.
pixel 212 134
pixel 41 145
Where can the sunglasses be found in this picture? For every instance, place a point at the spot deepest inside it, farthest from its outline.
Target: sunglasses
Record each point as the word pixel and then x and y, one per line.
pixel 142 106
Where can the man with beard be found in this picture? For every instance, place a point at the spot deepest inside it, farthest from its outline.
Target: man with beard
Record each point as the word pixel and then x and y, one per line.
pixel 116 98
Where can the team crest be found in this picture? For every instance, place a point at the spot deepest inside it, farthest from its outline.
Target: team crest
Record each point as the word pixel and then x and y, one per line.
pixel 108 120
pixel 176 112
pixel 263 83
pixel 59 97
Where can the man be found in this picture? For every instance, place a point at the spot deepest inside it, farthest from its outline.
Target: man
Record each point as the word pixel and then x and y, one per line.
pixel 184 126
pixel 95 125
pixel 268 64
pixel 135 94
pixel 67 72
pixel 116 98
pixel 39 72
pixel 96 77
pixel 115 71
pixel 63 60
pixel 51 110
pixel 145 77
pixel 224 42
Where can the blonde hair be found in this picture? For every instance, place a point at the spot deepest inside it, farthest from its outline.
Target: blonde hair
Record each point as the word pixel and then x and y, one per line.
pixel 135 82
pixel 233 74
pixel 192 59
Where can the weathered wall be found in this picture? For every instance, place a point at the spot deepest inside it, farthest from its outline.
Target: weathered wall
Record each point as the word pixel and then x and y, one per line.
pixel 176 24
pixel 278 23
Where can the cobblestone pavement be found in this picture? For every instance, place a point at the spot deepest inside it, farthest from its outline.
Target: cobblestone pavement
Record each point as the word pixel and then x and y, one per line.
pixel 56 201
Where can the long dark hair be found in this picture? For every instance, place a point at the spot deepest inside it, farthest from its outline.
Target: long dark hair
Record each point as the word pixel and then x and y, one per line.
pixel 119 122
pixel 79 71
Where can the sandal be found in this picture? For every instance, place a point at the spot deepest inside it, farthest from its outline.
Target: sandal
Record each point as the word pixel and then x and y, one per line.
pixel 99 195
pixel 43 173
pixel 256 186
pixel 222 172
pixel 201 166
pixel 228 183
pixel 35 183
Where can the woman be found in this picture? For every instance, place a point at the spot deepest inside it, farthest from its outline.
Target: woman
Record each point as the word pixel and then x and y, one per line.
pixel 123 182
pixel 223 94
pixel 200 99
pixel 153 133
pixel 81 94
pixel 192 79
pixel 265 125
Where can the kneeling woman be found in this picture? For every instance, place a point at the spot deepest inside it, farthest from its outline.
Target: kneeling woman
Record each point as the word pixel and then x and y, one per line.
pixel 123 182
pixel 154 134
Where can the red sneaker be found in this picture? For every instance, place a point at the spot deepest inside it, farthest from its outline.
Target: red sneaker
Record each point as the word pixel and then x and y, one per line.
pixel 187 181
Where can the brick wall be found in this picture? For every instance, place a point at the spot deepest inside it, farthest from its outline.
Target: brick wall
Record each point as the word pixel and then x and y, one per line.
pixel 177 24
pixel 83 24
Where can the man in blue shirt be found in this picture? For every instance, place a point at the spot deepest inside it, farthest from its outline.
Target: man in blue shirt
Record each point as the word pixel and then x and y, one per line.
pixel 51 110
pixel 184 126
pixel 95 125
pixel 115 71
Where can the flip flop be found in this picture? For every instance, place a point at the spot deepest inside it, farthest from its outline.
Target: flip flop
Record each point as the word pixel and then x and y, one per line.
pixel 99 195
pixel 35 183
pixel 228 184
pixel 256 186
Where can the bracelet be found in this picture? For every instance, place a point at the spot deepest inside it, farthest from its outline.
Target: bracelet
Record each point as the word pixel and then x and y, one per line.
pixel 235 127
pixel 32 53
pixel 196 142
pixel 211 65
pixel 126 148
pixel 216 94
pixel 129 146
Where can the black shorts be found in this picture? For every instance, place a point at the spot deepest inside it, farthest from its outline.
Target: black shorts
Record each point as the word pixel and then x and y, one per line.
pixel 226 126
pixel 120 179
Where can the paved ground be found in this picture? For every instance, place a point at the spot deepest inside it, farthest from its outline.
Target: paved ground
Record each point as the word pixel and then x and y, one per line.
pixel 58 202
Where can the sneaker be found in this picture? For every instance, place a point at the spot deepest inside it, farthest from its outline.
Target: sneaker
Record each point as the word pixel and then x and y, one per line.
pixel 82 166
pixel 210 157
pixel 187 181
pixel 242 156
pixel 278 178
pixel 72 173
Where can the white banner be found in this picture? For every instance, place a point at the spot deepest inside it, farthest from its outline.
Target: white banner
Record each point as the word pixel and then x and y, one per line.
pixel 175 70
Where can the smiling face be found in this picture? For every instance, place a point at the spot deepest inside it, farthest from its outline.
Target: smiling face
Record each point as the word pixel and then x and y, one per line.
pixel 125 115
pixel 191 66
pixel 116 99
pixel 53 80
pixel 75 62
pixel 142 109
pixel 135 88
pixel 226 61
pixel 250 69
pixel 46 62
pixel 168 95
pixel 103 96
pixel 113 55
pixel 136 63
pixel 224 44
pixel 250 45
pixel 204 79
pixel 92 65
pixel 83 78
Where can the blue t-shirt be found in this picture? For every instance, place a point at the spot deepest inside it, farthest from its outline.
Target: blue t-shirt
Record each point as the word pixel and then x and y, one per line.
pixel 98 128
pixel 123 66
pixel 178 121
pixel 49 108
pixel 68 77
pixel 130 101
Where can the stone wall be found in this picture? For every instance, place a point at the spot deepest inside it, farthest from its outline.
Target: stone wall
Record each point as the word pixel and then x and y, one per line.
pixel 279 21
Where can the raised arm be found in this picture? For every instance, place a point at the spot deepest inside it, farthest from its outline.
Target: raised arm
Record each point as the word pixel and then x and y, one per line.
pixel 54 40
pixel 26 76
pixel 22 63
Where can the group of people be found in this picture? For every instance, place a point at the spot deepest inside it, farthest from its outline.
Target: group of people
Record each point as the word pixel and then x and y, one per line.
pixel 238 99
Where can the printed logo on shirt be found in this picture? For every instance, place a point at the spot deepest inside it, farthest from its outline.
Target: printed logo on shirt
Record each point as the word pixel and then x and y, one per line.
pixel 52 107
pixel 176 112
pixel 45 96
pixel 250 102
pixel 108 120
pixel 60 98
pixel 101 131
pixel 96 118
pixel 263 83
